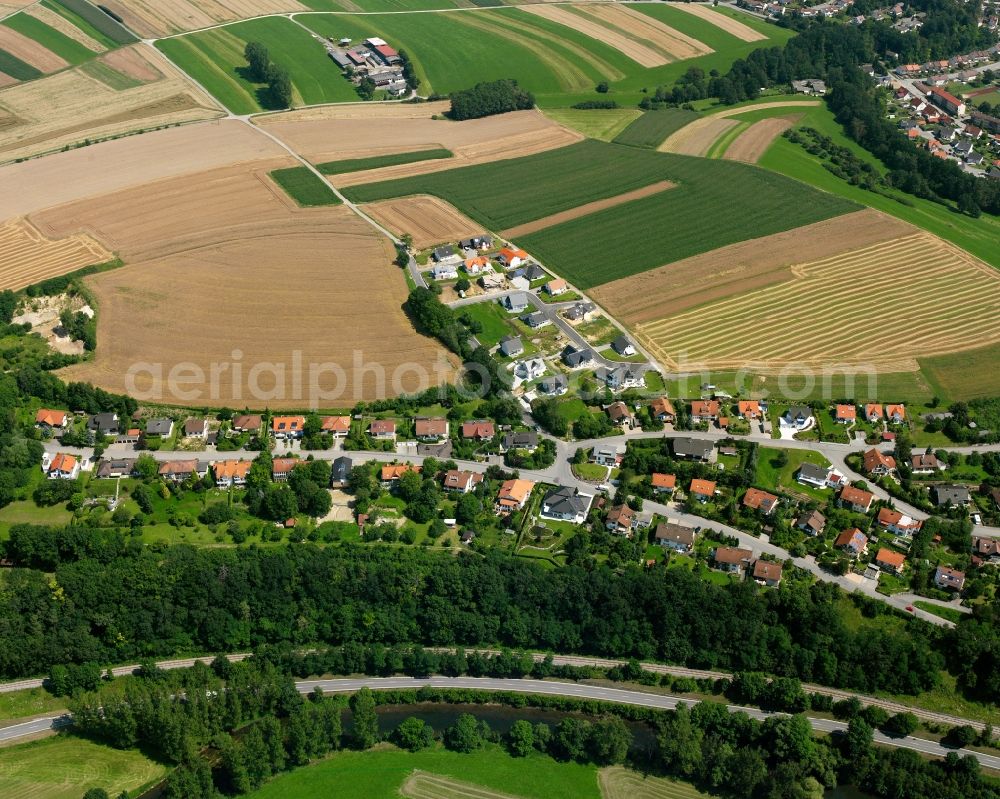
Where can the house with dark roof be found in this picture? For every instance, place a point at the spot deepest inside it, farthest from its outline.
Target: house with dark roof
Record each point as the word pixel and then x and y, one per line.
pixel 949 579
pixel 812 474
pixel 196 428
pixel 516 302
pixel 519 439
pixel 536 320
pixel 554 385
pixel 695 449
pixel 812 522
pixel 104 423
pixel 566 504
pixel 511 346
pixel 445 254
pixel 580 311
pixel 623 347
pixel 620 377
pixel 340 471
pixel 675 537
pixel 948 496
pixel 798 416
pixel 160 427
pixel 573 357
pixel 111 468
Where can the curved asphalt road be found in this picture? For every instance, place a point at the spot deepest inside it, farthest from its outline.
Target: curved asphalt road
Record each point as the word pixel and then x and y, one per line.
pixel 576 690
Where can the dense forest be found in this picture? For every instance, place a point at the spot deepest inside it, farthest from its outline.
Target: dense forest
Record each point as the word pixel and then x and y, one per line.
pixel 107 599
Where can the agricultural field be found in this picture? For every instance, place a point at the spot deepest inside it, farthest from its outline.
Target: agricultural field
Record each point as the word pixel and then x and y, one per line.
pixel 653 127
pixel 153 19
pixel 727 23
pixel 124 90
pixel 821 302
pixel 428 220
pixel 618 782
pixel 215 59
pixel 699 136
pixel 604 124
pixel 304 187
pixel 351 132
pixel 964 375
pixel 27 256
pixel 64 767
pixel 228 245
pixel 379 161
pixel 750 145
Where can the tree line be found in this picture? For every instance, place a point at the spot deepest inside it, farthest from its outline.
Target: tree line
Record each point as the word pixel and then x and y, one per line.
pixel 260 69
pixel 489 98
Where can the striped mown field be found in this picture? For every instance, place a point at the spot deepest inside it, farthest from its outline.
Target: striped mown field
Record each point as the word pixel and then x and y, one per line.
pixel 29 257
pixel 618 782
pixel 885 305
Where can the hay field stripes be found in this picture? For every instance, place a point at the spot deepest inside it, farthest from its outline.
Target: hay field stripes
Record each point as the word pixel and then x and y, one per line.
pixel 673 44
pixel 731 26
pixel 423 785
pixel 618 782
pixel 691 139
pixel 156 18
pixel 58 22
pixel 832 311
pixel 753 142
pixel 26 256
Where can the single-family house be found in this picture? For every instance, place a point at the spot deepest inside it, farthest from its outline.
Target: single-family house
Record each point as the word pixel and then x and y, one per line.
pixel 513 495
pixel 852 541
pixel 748 409
pixel 529 369
pixel 695 449
pixel 511 257
pixel 516 302
pixel 580 312
pixel 857 499
pixel 246 423
pixel 51 420
pixel 620 377
pixel 813 475
pixel 573 357
pixel 845 414
pixel 606 455
pixel 873 412
pixel 231 473
pixel 288 426
pixel 767 572
pixel 282 467
pixel 383 429
pixel 554 385
pixel 675 537
pixel 113 468
pixel 755 499
pixel 526 440
pixel 160 427
pixel 445 255
pixel 949 579
pixel 566 504
pixel 519 282
pixel 105 424
pixel 663 483
pixel 391 472
pixel 340 471
pixel 556 287
pixel 623 347
pixel 536 319
pixel 948 496
pixel 732 559
pixel 478 243
pixel 179 471
pixel 478 430
pixel 812 522
pixel 701 490
pixel 461 480
pixel 798 416
pixel 620 414
pixel 877 463
pixel 492 282
pixel 336 426
pixel 431 428
pixel 898 523
pixel 621 520
pixel 511 346
pixel 196 428
pixel 447 270
pixel 986 549
pixel 477 265
pixel 895 414
pixel 663 409
pixel 704 410
pixel 926 463
pixel 890 561
pixel 534 272
pixel 64 467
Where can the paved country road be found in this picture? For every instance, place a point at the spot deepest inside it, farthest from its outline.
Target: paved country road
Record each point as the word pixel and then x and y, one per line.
pixel 576 690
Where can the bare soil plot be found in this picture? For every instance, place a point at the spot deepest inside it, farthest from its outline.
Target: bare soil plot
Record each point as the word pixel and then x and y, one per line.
pixel 361 111
pixel 715 275
pixel 136 160
pixel 214 254
pixel 64 26
pixel 429 220
pixel 752 143
pixel 327 135
pixel 6 80
pixel 27 256
pixel 731 26
pixel 73 105
pixel 644 56
pixel 698 137
pixel 587 208
pixel 826 313
pixel 673 44
pixel 421 785
pixel 30 51
pixel 155 18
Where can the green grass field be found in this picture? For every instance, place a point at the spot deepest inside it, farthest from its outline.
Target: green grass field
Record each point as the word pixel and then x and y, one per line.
pixel 16 68
pixel 964 375
pixel 652 128
pixel 602 123
pixel 51 39
pixel 111 78
pixel 493 319
pixel 978 236
pixel 30 702
pixel 92 21
pixel 215 59
pixel 945 613
pixel 304 187
pixel 379 773
pixel 64 767
pixel 376 161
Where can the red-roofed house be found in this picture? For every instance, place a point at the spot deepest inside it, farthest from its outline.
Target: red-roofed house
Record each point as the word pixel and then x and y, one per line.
pixel 664 483
pixel 702 490
pixel 845 414
pixel 898 523
pixel 756 499
pixel 748 409
pixel 895 413
pixel 512 257
pixel 856 499
pixel 946 100
pixel 852 541
pixel 873 412
pixel 64 467
pixel 51 419
pixel 480 430
pixel 337 426
pixel 890 561
pixel 876 463
pixel 431 429
pixel 663 409
pixel 383 429
pixel 704 410
pixel 767 572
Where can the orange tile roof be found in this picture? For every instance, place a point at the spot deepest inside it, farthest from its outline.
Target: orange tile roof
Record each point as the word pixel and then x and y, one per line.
pixel 755 498
pixel 178 467
pixel 232 470
pixel 704 408
pixel 856 496
pixel 514 492
pixel 705 488
pixel 767 570
pixel 382 426
pixel 846 412
pixel 513 252
pixel 287 424
pixel 437 426
pixel 284 465
pixel 62 463
pixel 662 405
pixel 896 410
pixel 749 407
pixel 874 459
pixel 555 285
pixel 479 260
pixel 337 424
pixel 664 480
pixel 49 417
pixel 848 536
pixel 478 429
pixel 890 558
pixel 873 409
pixel 393 471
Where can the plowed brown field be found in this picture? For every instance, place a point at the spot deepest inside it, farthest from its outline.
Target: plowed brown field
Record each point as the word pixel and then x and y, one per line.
pixel 697 137
pixel 752 143
pixel 222 261
pixel 429 220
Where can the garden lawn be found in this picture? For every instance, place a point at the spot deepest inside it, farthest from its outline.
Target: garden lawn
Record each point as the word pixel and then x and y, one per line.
pixel 25 511
pixel 379 774
pixel 494 320
pixel 782 478
pixel 65 767
pixel 304 187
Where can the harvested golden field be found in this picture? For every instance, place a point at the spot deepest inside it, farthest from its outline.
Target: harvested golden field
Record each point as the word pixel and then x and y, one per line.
pixel 731 26
pixel 98 100
pixel 137 160
pixel 429 220
pixel 323 134
pixel 64 26
pixel 752 143
pixel 586 208
pixel 27 256
pixel 836 310
pixel 670 42
pixel 155 18
pixel 30 51
pixel 721 273
pixel 697 137
pixel 210 255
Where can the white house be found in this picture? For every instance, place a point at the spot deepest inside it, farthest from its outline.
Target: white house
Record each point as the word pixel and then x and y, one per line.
pixel 566 504
pixel 530 368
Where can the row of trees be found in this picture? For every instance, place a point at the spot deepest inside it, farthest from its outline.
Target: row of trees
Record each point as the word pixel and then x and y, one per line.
pixel 489 98
pixel 260 69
